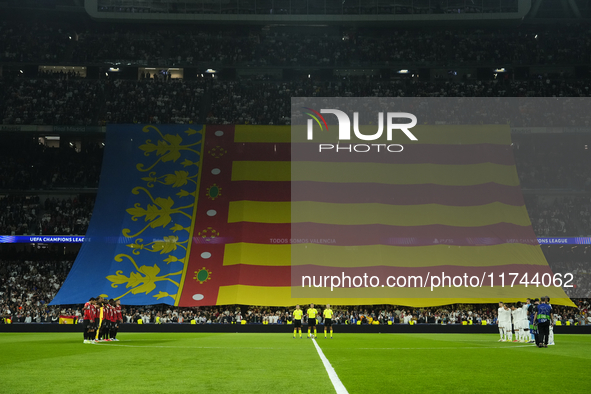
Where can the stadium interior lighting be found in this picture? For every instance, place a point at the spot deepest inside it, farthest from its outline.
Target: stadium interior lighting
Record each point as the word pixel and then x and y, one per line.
pixel 113 69
pixel 500 70
pixel 402 71
pixel 210 71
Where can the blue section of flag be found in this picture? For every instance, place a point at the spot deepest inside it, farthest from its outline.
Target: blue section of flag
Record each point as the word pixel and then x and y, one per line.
pixel 135 247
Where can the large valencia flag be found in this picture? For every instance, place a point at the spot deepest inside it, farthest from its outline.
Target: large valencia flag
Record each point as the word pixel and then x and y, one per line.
pixel 214 215
pixel 456 208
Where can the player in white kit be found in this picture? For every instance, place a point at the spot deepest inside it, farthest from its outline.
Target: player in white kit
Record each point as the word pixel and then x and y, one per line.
pixel 504 322
pixel 520 323
pixel 500 315
pixel 508 327
pixel 516 314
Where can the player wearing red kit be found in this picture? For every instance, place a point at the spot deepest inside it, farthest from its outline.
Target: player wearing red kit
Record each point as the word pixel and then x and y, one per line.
pixel 118 320
pixel 112 319
pixel 88 320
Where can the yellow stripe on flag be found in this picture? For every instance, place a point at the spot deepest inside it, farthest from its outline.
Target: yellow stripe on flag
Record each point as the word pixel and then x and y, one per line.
pixel 271 296
pixel 373 255
pixel 359 214
pixel 391 174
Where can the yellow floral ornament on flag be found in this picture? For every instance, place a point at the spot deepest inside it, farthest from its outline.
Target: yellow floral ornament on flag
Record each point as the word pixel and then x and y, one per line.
pixel 161 210
pixel 208 234
pixel 142 281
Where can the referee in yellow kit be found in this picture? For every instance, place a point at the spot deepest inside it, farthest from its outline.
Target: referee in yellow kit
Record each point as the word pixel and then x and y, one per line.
pixel 312 313
pixel 297 321
pixel 327 313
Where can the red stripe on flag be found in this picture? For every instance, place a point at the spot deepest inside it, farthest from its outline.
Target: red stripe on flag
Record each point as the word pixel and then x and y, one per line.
pixel 377 234
pixel 375 193
pixel 273 276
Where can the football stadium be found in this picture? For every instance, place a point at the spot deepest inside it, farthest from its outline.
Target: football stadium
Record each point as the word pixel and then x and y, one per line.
pixel 298 196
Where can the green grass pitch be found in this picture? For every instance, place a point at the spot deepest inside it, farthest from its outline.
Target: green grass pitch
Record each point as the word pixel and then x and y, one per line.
pixel 266 363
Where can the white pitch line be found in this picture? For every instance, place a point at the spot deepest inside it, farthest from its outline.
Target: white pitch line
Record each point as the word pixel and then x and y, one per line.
pixel 336 382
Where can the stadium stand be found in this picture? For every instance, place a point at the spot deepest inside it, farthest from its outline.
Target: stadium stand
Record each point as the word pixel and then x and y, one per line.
pixel 554 62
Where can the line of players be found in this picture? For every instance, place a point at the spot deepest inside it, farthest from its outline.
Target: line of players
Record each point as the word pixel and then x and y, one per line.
pixel 312 313
pixel 530 322
pixel 101 320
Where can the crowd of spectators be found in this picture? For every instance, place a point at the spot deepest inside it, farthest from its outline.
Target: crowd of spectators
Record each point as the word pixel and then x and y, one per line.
pixel 343 315
pixel 38 41
pixel 553 161
pixel 26 214
pixel 173 101
pixel 62 101
pixel 29 279
pixel 81 102
pixel 50 101
pixel 572 259
pixel 310 7
pixel 560 216
pixel 269 102
pixel 29 164
pixel 175 45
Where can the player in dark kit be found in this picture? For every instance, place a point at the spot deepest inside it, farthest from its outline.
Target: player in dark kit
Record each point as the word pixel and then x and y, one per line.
pixel 118 319
pixel 88 320
pixel 110 320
